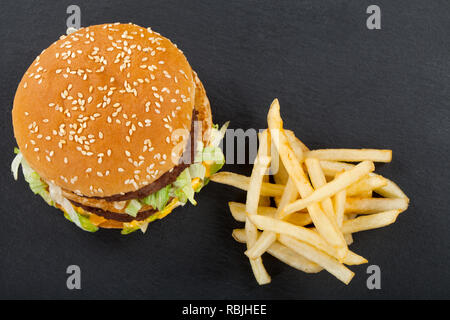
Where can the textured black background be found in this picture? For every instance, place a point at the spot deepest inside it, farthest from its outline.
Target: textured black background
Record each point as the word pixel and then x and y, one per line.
pixel 339 84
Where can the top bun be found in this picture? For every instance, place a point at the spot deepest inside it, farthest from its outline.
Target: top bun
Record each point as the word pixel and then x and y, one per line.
pixel 96 112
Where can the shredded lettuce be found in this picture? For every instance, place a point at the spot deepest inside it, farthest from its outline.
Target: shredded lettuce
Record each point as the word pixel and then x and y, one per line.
pixel 158 199
pixel 197 170
pixel 198 152
pixel 86 224
pixel 50 193
pixel 36 184
pixel 217 135
pixel 143 227
pixel 126 230
pixel 15 164
pixel 56 195
pixel 183 187
pixel 214 158
pixel 133 207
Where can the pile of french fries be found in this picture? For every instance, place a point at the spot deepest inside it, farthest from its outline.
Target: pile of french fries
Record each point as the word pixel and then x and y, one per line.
pixel 321 200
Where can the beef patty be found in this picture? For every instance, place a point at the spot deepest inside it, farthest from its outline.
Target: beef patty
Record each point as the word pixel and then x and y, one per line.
pixel 142 215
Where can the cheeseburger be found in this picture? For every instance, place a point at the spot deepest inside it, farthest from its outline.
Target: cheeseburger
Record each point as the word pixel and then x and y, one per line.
pixel 114 128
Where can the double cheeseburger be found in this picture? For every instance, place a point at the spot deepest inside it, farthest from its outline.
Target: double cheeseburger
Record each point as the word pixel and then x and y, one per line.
pixel 114 128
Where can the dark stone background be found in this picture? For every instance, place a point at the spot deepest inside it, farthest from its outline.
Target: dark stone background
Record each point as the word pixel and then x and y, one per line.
pixel 339 84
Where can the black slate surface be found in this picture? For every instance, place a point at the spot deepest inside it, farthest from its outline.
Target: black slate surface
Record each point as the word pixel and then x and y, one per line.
pixel 339 84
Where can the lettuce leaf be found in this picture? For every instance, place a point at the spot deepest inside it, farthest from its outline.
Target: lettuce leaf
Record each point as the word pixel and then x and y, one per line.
pixel 127 230
pixel 197 170
pixel 183 187
pixel 86 224
pixel 217 135
pixel 133 207
pixel 158 199
pixel 50 193
pixel 16 163
pixel 214 158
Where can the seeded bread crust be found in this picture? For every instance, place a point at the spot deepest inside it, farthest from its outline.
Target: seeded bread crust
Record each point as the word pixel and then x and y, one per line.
pixel 95 113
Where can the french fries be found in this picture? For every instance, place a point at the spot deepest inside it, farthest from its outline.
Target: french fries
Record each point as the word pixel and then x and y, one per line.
pixel 390 190
pixel 295 142
pixel 281 176
pixel 265 200
pixel 303 234
pixel 259 170
pixel 238 212
pixel 242 182
pixel 366 185
pixel 374 205
pixel 351 155
pixel 268 237
pixel 372 221
pixel 321 202
pixel 339 206
pixel 284 254
pixel 328 263
pixel 291 160
pixel 340 183
pixel 318 180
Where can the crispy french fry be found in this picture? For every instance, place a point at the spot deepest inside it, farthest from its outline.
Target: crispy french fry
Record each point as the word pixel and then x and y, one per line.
pixel 292 258
pixel 260 273
pixel 348 238
pixel 321 258
pixel 300 233
pixel 238 212
pixel 284 254
pixel 318 180
pixel 298 147
pixel 259 169
pixel 339 206
pixel 260 166
pixel 374 205
pixel 254 186
pixel 265 200
pixel 367 194
pixel 290 194
pixel 281 176
pixel 292 164
pixel 351 155
pixel 331 168
pixel 390 190
pixel 242 182
pixel 299 219
pixel 265 240
pixel 341 182
pixel 366 185
pixel 295 142
pixel 303 234
pixel 369 222
pixel 269 237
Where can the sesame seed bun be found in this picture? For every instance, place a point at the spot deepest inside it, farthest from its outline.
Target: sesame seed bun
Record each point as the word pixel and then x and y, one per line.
pixel 96 112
